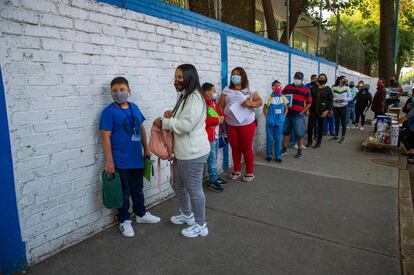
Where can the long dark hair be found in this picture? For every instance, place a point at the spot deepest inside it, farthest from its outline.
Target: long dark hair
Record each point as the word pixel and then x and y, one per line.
pixel 191 83
pixel 243 75
pixel 338 79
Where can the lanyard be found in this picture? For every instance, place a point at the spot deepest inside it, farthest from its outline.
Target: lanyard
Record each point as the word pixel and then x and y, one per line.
pixel 130 118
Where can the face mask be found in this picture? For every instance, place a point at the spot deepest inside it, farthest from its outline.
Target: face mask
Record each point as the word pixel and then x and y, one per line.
pixel 236 79
pixel 297 82
pixel 120 97
pixel 321 81
pixel 366 89
pixel 345 82
pixel 392 81
pixel 214 96
pixel 277 90
pixel 179 85
pixel 351 86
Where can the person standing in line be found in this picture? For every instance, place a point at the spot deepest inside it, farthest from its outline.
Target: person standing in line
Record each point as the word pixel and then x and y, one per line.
pixel 322 104
pixel 362 103
pixel 301 102
pixel 378 103
pixel 341 96
pixel 191 150
pixel 275 111
pixel 396 91
pixel 351 106
pixel 240 97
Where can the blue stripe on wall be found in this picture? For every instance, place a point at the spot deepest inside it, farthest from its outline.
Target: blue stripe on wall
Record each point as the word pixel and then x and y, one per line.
pixel 12 248
pixel 224 81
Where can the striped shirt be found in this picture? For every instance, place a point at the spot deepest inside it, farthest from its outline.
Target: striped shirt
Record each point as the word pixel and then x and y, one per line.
pixel 300 97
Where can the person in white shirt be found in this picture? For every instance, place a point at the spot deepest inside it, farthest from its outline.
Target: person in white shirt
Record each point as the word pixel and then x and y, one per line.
pixel 191 149
pixel 341 96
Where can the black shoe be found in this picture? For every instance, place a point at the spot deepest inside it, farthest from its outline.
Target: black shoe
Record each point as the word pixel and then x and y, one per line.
pixel 214 186
pixel 309 144
pixel 221 181
pixel 317 145
pixel 284 151
pixel 334 138
pixel 278 160
pixel 269 159
pixel 298 154
pixel 342 140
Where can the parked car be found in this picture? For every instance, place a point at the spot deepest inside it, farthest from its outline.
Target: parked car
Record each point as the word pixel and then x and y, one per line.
pixel 407 90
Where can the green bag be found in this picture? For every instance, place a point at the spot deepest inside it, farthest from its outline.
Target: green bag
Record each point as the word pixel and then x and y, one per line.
pixel 148 169
pixel 112 190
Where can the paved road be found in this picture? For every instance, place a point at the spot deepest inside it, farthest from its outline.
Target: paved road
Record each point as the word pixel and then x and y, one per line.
pixel 335 217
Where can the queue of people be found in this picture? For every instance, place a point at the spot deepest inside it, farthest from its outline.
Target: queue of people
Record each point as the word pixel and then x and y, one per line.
pixel 195 124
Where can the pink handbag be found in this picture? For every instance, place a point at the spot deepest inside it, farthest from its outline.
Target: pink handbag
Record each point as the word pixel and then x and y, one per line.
pixel 161 145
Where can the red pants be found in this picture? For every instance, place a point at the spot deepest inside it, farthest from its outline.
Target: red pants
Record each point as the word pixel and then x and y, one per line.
pixel 241 142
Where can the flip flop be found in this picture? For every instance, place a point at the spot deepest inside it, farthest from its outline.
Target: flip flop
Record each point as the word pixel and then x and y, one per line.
pixel 234 175
pixel 248 178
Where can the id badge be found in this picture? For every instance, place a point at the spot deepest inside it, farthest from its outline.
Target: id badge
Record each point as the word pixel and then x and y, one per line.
pixel 278 111
pixel 135 138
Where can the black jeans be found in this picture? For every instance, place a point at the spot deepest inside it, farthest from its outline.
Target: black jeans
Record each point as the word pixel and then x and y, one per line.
pixel 360 113
pixel 340 117
pixel 315 122
pixel 132 184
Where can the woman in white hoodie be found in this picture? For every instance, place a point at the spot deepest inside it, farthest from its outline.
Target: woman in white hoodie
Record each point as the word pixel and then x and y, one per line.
pixel 191 149
pixel 341 96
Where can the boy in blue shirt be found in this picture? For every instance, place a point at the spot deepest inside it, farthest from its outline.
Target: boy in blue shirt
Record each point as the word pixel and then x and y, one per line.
pixel 275 111
pixel 123 138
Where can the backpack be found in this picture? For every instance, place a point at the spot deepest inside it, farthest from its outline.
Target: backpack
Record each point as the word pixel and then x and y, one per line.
pixel 161 143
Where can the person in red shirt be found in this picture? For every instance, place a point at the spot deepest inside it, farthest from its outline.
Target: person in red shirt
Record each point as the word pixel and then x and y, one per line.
pixel 300 101
pixel 213 120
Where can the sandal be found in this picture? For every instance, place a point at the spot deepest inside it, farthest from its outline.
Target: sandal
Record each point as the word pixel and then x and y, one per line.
pixel 234 175
pixel 248 178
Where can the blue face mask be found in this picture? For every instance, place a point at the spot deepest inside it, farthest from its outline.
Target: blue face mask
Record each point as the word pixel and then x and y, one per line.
pixel 120 97
pixel 214 96
pixel 236 79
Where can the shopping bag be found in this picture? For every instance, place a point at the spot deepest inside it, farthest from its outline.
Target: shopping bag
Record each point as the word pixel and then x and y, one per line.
pixel 148 169
pixel 112 190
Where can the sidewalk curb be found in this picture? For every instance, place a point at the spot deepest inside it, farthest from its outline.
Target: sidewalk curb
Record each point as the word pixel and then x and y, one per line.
pixel 406 216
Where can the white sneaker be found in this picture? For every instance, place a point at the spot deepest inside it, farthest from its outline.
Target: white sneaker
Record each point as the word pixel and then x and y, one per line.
pixel 126 229
pixel 362 128
pixel 195 231
pixel 303 147
pixel 147 218
pixel 182 219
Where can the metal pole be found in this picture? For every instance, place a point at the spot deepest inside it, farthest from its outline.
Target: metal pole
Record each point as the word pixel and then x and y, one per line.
pixel 338 22
pixel 319 28
pixel 396 32
pixel 287 22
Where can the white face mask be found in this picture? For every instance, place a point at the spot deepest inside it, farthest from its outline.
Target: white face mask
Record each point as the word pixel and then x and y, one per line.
pixel 297 82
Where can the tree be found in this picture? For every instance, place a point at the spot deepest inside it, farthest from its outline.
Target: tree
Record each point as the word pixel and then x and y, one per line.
pixel 270 19
pixel 386 47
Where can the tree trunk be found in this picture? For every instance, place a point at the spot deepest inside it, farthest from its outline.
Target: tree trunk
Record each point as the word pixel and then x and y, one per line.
pixel 241 13
pixel 270 20
pixel 205 8
pixel 386 47
pixel 296 7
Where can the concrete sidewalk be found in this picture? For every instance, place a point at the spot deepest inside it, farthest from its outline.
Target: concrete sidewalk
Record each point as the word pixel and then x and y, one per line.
pixel 285 222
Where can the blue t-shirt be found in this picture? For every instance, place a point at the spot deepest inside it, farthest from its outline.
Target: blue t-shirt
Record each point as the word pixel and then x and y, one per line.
pixel 127 153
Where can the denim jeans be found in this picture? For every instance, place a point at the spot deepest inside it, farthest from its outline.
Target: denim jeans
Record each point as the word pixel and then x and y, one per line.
pixel 295 123
pixel 274 137
pixel 212 161
pixel 132 184
pixel 351 109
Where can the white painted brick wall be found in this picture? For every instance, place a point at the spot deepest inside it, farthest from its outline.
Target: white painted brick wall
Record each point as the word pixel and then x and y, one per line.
pixel 307 66
pixel 58 58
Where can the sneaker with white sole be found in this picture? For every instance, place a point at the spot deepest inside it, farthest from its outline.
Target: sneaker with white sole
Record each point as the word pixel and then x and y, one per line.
pixel 126 229
pixel 362 128
pixel 147 218
pixel 182 219
pixel 195 231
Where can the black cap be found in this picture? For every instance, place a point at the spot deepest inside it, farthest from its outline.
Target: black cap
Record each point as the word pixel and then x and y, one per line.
pixel 298 75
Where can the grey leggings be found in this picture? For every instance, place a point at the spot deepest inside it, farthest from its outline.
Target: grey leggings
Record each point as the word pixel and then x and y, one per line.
pixel 188 186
